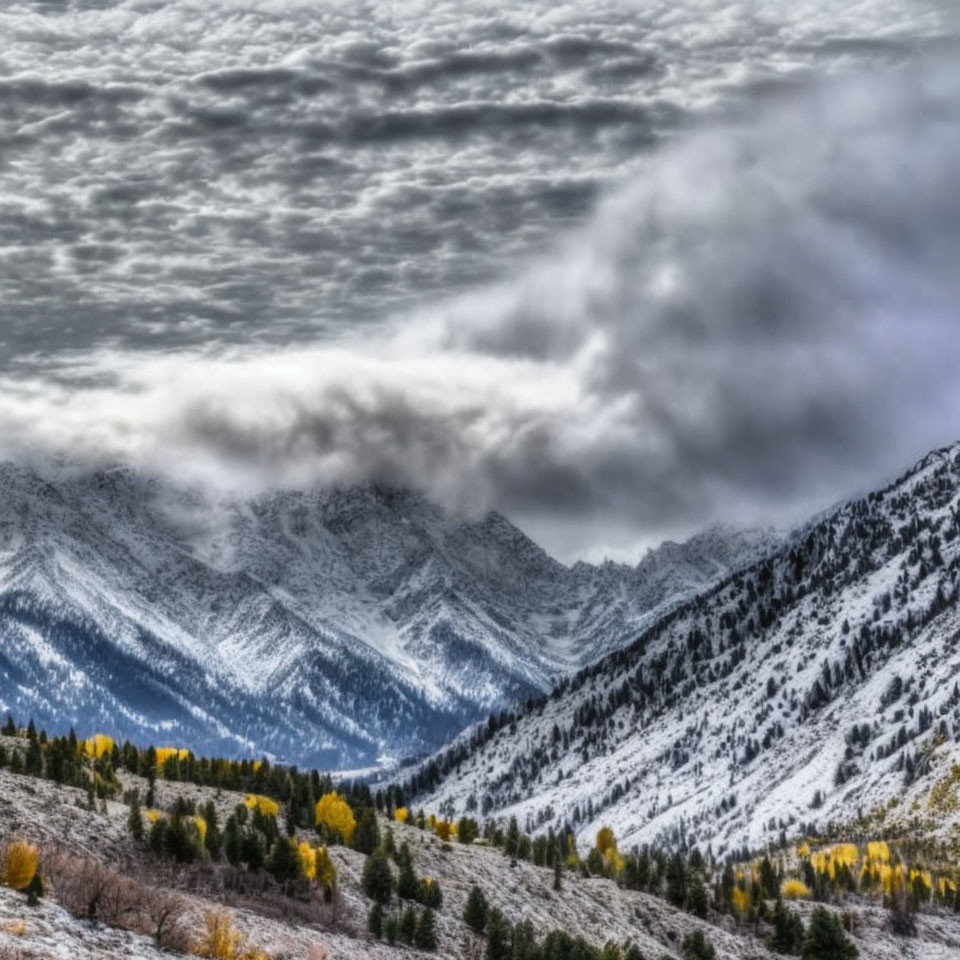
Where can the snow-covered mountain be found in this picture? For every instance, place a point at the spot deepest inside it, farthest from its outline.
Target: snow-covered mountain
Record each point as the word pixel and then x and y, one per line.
pixel 327 627
pixel 819 685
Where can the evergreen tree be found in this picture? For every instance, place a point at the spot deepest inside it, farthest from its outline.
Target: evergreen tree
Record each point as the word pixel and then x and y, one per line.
pixel 391 928
pixel 511 845
pixel 366 835
pixel 557 875
pixel 787 930
pixel 377 878
pixel 697 899
pixel 697 947
pixel 375 920
pixel 825 939
pixel 498 936
pixel 284 861
pixel 408 925
pixel 476 910
pixel 425 937
pixel 135 819
pixel 769 883
pixel 677 881
pixel 523 942
pixel 9 728
pixel 407 880
pixel 213 839
pixel 233 842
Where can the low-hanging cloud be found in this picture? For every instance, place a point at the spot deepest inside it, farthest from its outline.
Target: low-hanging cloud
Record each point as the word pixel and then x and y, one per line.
pixel 765 320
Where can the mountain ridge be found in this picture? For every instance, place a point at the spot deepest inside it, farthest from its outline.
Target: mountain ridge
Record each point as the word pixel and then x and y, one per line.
pixel 822 679
pixel 326 627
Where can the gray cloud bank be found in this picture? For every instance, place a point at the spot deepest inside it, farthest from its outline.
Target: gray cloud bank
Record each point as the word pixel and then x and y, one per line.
pixel 762 316
pixel 764 319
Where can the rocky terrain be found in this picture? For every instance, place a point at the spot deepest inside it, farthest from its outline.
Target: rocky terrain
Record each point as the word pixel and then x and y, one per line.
pixel 57 819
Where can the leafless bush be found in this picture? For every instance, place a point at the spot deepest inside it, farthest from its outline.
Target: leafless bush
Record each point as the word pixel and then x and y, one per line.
pixel 166 912
pixel 79 884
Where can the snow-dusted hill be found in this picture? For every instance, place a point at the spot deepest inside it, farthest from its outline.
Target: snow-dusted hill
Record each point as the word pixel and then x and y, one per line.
pixel 817 685
pixel 323 627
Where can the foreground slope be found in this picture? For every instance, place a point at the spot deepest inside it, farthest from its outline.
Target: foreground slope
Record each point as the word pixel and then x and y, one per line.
pixel 817 685
pixel 57 818
pixel 326 627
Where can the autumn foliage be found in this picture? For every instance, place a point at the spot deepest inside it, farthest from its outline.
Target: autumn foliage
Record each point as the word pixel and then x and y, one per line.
pixel 334 813
pixel 19 864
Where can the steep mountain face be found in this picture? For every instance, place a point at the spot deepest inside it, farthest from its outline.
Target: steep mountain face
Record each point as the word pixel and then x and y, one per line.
pixel 328 627
pixel 819 685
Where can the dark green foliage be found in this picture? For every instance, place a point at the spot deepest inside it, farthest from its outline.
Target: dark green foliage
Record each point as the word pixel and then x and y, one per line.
pixel 375 920
pixel 511 846
pixel 467 830
pixel 284 861
pixel 498 936
pixel 253 849
pixel 825 939
pixel 408 925
pixel 697 900
pixel 366 837
pixel 214 839
pixel 135 819
pixel 407 879
pixel 181 840
pixel 697 947
pixel 233 841
pixel 425 936
pixel 158 837
pixel 429 893
pixel 476 911
pixel 557 875
pixel 391 928
pixel 787 930
pixel 377 878
pixel 9 728
pixel 523 942
pixel 677 881
pixel 633 953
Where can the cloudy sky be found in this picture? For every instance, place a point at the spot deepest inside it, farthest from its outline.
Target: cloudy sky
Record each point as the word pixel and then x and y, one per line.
pixel 619 269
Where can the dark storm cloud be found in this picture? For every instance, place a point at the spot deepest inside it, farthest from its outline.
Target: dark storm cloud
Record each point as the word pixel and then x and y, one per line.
pixel 755 316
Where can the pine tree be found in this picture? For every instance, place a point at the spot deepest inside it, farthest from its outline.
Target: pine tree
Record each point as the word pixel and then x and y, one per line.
pixel 233 842
pixel 498 936
pixel 476 911
pixel 825 939
pixel 366 836
pixel 407 880
pixel 135 819
pixel 425 937
pixel 213 839
pixel 787 930
pixel 284 861
pixel 9 728
pixel 375 920
pixel 697 947
pixel 408 925
pixel 377 878
pixel 557 875
pixel 391 929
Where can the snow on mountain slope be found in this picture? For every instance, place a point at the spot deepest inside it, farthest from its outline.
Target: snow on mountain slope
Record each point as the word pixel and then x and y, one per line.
pixel 819 685
pixel 326 627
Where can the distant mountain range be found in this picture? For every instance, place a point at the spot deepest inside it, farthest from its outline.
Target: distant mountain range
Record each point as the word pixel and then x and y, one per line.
pixel 819 685
pixel 332 628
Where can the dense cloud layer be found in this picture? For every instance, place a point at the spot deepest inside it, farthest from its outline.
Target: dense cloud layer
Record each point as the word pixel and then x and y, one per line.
pixel 760 316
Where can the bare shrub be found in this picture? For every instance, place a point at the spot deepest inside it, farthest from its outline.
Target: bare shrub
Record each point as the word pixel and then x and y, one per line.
pixel 165 911
pixel 79 884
